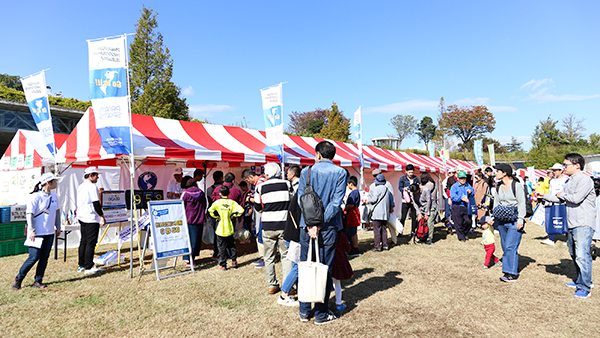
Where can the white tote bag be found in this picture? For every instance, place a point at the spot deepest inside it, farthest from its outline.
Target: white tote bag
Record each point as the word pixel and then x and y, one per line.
pixel 312 277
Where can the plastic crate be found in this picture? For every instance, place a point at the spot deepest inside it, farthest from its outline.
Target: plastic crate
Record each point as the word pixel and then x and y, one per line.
pixel 13 247
pixel 5 214
pixel 12 231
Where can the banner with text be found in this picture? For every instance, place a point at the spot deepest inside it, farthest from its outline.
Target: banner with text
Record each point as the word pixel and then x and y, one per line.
pixel 169 228
pixel 272 102
pixel 478 150
pixel 492 155
pixel 36 95
pixel 109 93
pixel 357 127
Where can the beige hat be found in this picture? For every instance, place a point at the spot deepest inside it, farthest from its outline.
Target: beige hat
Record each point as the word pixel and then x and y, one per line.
pixel 177 170
pixel 376 172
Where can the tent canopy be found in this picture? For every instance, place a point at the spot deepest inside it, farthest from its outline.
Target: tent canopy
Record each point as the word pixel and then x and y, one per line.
pixel 157 140
pixel 28 150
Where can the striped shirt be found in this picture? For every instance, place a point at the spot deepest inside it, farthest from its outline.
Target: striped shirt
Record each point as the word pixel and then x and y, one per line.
pixel 272 198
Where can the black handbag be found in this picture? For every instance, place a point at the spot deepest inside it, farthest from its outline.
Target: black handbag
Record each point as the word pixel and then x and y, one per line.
pixel 505 214
pixel 311 205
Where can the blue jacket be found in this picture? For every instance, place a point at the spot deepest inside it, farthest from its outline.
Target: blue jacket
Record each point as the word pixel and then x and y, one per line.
pixel 405 183
pixel 457 191
pixel 329 182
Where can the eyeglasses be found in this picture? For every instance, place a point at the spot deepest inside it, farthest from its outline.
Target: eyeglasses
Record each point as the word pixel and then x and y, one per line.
pixel 568 164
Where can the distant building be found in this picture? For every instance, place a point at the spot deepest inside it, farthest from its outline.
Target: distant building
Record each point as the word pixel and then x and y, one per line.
pixel 392 142
pixel 592 162
pixel 16 115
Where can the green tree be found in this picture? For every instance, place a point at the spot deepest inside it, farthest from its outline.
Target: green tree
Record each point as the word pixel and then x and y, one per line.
pixel 442 137
pixel 150 71
pixel 594 140
pixel 573 129
pixel 11 81
pixel 337 126
pixel 405 126
pixel 307 123
pixel 315 126
pixel 468 122
pixel 547 134
pixel 426 131
pixel 498 147
pixel 18 96
pixel 514 145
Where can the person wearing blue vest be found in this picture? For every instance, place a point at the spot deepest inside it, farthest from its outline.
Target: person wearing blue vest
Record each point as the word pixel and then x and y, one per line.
pixel 459 194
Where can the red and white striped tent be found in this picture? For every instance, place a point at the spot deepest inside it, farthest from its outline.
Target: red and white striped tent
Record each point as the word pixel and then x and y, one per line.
pixel 541 173
pixel 157 140
pixel 28 150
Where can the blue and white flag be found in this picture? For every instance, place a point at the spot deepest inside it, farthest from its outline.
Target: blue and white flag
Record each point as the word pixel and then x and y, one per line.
pixel 432 150
pixel 272 102
pixel 36 95
pixel 109 93
pixel 478 150
pixel 357 131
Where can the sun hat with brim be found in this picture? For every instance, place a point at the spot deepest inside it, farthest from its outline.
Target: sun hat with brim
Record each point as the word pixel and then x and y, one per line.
pixel 91 170
pixel 461 174
pixel 47 177
pixel 556 166
pixel 177 170
pixel 379 179
pixel 485 219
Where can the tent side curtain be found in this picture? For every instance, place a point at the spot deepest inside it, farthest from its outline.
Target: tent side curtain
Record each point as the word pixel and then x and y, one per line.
pixel 160 140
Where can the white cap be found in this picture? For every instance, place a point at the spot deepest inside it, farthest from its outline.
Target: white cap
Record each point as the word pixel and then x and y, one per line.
pixel 91 170
pixel 556 166
pixel 177 170
pixel 47 177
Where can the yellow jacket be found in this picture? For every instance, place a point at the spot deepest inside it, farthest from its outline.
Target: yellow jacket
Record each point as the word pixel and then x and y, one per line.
pixel 225 209
pixel 487 236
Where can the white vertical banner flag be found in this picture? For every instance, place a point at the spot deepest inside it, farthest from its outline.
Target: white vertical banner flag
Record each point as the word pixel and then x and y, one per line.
pixel 531 174
pixel 36 95
pixel 272 102
pixel 492 155
pixel 109 93
pixel 357 127
pixel 478 150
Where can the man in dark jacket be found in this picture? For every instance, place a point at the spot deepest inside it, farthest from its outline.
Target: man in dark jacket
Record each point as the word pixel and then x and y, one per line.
pixel 403 184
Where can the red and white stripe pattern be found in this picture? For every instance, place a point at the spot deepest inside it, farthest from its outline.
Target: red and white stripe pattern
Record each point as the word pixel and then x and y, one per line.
pixel 157 139
pixel 28 150
pixel 542 173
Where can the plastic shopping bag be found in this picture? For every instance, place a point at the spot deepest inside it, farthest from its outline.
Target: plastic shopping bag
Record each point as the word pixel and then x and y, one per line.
pixel 312 277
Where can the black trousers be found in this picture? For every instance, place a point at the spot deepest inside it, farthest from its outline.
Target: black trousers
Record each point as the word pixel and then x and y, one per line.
pixel 413 216
pixel 226 244
pixel 462 221
pixel 87 244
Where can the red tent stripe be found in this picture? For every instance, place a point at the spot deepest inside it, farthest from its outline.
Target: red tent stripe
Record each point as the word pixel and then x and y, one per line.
pixel 199 134
pixel 250 141
pixel 95 141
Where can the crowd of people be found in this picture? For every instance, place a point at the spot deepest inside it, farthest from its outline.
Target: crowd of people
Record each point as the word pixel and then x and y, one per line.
pixel 270 207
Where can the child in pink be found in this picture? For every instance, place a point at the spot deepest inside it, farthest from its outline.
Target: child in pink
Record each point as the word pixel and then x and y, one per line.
pixel 489 243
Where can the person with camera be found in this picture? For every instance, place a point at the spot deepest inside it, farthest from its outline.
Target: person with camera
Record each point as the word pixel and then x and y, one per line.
pixel 580 198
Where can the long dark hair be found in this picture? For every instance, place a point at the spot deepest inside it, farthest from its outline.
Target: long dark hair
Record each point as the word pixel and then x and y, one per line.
pixel 425 178
pixel 37 187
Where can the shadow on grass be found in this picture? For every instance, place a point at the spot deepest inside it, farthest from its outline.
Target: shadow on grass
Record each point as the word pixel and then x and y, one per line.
pixel 369 287
pixel 524 261
pixel 564 268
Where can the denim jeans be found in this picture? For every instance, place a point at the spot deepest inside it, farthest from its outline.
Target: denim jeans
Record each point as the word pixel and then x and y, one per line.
pixel 579 241
pixel 510 239
pixel 195 231
pixel 40 256
pixel 327 243
pixel 292 276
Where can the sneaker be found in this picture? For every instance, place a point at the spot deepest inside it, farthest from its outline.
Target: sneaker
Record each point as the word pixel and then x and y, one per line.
pixel 428 243
pixel 353 253
pixel 17 284
pixel 92 270
pixel 234 264
pixel 547 242
pixel 376 250
pixel 582 293
pixel 484 267
pixel 80 269
pixel 419 243
pixel 508 278
pixel 574 286
pixel 303 317
pixel 498 264
pixel 287 301
pixel 329 317
pixel 260 265
pixel 258 262
pixel 386 248
pixel 39 285
pixel 214 257
pixel 341 307
pixel 188 264
pixel 223 268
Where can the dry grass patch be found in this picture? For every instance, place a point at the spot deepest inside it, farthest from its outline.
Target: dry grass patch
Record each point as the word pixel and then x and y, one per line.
pixel 410 290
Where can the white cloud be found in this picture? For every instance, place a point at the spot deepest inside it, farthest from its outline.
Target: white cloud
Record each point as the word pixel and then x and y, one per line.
pixel 542 96
pixel 403 107
pixel 209 110
pixel 533 84
pixel 188 91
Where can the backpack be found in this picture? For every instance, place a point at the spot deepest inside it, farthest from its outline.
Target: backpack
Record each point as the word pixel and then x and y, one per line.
pixel 528 206
pixel 311 205
pixel 422 230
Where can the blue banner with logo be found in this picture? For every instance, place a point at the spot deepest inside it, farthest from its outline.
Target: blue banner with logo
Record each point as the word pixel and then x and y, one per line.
pixel 109 93
pixel 169 228
pixel 478 150
pixel 36 94
pixel 272 103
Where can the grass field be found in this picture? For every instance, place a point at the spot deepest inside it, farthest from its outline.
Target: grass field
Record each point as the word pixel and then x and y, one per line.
pixel 410 290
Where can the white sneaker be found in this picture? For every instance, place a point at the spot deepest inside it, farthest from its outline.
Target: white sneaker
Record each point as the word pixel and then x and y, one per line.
pixel 287 301
pixel 92 270
pixel 547 242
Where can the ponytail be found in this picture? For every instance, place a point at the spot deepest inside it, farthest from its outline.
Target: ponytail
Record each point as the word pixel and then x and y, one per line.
pixel 37 187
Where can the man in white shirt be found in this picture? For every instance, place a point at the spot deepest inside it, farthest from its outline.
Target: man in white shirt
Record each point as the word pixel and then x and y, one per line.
pixel 174 186
pixel 556 185
pixel 90 217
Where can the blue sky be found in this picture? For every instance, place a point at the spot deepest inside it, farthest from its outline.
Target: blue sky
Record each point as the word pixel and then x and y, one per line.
pixel 525 60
